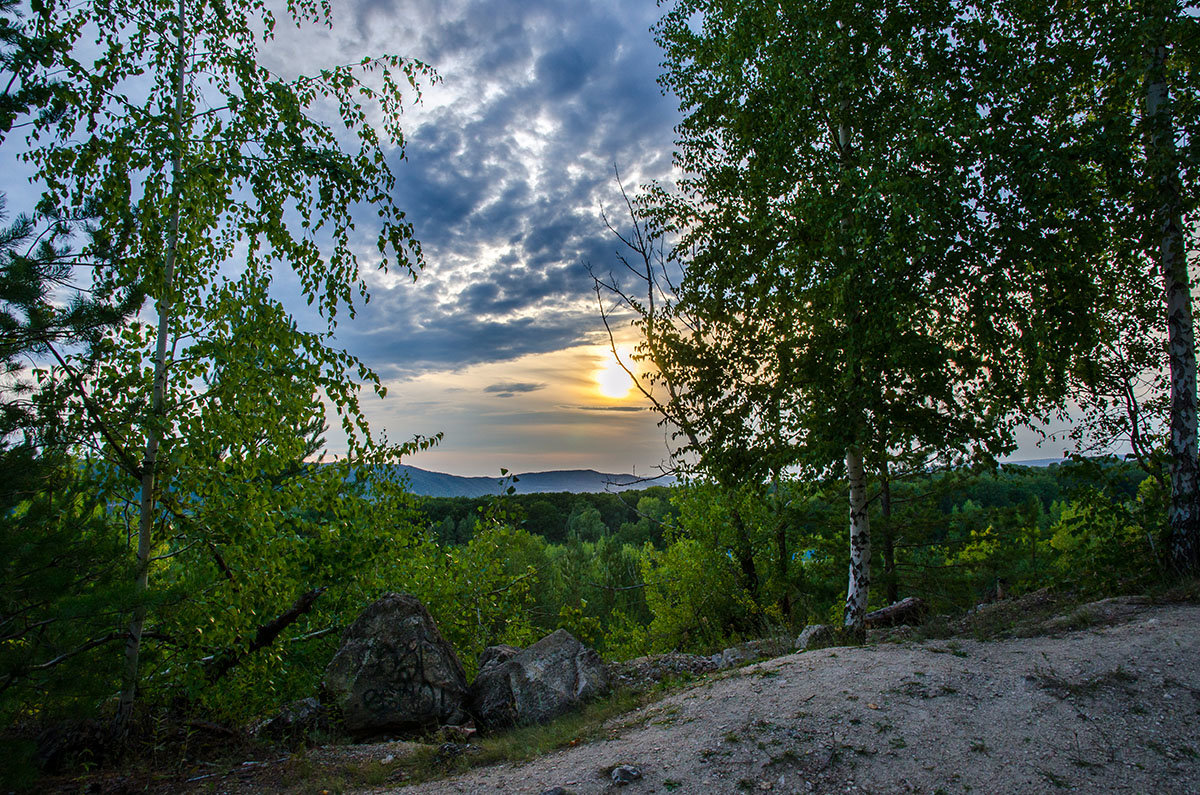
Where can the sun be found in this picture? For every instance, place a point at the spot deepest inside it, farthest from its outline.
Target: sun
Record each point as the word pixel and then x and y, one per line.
pixel 612 381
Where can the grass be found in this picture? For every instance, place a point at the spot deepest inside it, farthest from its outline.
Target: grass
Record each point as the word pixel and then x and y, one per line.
pixel 1054 778
pixel 431 762
pixel 1090 686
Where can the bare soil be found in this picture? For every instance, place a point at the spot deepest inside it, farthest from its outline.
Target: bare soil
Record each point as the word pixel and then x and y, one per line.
pixel 1113 706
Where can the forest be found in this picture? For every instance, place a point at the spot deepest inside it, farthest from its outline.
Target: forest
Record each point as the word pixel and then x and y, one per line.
pixel 901 233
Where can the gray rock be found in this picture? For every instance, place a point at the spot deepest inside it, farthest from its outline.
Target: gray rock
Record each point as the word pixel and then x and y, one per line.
pixel 395 672
pixel 642 673
pixel 295 721
pixel 625 774
pixel 501 653
pixel 548 679
pixel 813 636
pixel 733 657
pixel 750 651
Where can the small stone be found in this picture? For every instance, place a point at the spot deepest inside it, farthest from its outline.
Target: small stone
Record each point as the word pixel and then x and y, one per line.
pixel 625 774
pixel 387 760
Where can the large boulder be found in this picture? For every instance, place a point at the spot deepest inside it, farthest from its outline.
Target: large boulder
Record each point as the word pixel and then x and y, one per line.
pixel 395 672
pixel 548 679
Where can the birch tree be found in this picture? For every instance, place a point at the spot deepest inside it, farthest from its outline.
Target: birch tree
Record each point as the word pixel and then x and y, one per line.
pixel 211 173
pixel 1095 113
pixel 830 198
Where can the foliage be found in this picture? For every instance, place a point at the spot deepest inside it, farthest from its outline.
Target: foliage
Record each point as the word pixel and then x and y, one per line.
pixel 693 593
pixel 548 514
pixel 1096 104
pixel 202 174
pixel 847 295
pixel 63 572
pixel 482 593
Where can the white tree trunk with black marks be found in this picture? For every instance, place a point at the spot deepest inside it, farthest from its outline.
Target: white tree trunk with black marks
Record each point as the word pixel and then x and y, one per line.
pixel 860 542
pixel 155 430
pixel 1163 170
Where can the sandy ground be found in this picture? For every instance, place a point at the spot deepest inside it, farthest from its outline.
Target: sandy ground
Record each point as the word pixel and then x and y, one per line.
pixel 1111 708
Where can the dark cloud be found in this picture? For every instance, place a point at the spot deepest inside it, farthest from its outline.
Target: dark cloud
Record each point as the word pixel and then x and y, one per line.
pixel 511 388
pixel 505 173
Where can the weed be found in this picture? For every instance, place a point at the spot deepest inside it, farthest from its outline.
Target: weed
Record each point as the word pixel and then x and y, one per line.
pixel 936 628
pixel 1053 778
pixel 897 742
pixel 670 784
pixel 746 785
pixel 980 747
pixel 789 756
pixel 1064 688
pixel 882 727
pixel 732 738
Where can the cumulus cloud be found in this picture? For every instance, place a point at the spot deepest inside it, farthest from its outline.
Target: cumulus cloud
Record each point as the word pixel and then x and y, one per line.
pixel 507 163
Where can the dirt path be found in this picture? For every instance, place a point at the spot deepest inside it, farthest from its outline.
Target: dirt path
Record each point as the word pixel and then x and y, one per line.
pixel 1108 709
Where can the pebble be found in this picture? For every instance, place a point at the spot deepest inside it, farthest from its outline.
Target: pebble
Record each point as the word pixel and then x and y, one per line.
pixel 625 774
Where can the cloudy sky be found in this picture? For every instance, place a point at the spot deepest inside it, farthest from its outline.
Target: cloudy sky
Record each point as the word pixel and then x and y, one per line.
pixel 510 159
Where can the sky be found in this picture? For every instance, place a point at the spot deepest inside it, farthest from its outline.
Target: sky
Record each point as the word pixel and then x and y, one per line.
pixel 508 166
pixel 510 160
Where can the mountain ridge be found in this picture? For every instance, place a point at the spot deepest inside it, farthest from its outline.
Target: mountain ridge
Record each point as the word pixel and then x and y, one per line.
pixel 427 483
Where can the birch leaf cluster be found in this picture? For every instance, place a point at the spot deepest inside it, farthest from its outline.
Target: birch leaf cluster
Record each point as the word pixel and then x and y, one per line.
pixel 212 176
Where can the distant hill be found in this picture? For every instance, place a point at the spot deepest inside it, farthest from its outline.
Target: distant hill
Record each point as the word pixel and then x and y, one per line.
pixel 1037 462
pixel 576 481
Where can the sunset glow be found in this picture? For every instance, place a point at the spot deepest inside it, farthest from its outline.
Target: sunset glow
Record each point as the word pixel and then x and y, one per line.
pixel 612 381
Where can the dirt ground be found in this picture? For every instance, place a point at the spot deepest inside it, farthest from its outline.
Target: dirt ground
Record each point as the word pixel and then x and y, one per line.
pixel 1112 707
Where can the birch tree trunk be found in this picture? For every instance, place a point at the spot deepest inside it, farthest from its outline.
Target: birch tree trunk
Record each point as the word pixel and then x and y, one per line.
pixel 860 542
pixel 858 586
pixel 157 420
pixel 1163 171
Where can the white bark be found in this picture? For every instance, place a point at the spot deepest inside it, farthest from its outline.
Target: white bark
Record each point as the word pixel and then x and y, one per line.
pixel 1163 168
pixel 154 431
pixel 860 542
